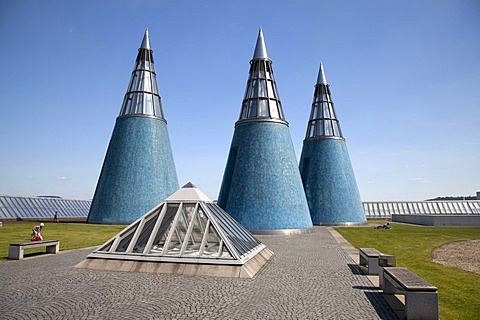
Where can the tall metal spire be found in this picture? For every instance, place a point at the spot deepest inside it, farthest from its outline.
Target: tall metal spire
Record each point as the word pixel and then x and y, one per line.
pixel 261 101
pixel 142 97
pixel 323 122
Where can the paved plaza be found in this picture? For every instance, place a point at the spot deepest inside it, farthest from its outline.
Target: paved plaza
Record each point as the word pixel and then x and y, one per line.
pixel 309 277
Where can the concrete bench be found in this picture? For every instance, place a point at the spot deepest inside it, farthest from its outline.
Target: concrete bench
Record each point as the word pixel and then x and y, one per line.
pixel 374 260
pixel 421 297
pixel 16 250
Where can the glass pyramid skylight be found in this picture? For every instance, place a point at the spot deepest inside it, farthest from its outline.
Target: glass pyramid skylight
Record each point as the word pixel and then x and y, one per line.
pixel 323 120
pixel 261 99
pixel 186 228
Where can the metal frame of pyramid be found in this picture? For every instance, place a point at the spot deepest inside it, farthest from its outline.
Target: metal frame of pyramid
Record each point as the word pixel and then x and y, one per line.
pixel 187 228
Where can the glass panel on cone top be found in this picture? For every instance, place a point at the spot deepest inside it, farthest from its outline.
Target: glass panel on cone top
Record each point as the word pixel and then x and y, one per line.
pixel 142 97
pixel 261 100
pixel 323 121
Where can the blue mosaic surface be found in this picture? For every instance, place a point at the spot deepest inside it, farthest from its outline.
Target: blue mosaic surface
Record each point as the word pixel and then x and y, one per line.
pixel 261 186
pixel 329 182
pixel 138 171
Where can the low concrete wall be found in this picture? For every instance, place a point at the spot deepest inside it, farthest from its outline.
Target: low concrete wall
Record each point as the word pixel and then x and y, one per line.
pixel 438 220
pixel 247 270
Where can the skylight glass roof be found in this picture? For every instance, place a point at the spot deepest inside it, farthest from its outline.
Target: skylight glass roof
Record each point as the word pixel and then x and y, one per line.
pixel 187 227
pixel 385 209
pixel 42 207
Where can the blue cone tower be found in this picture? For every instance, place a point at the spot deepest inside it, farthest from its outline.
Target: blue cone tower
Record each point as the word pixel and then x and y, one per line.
pixel 138 171
pixel 261 186
pixel 325 167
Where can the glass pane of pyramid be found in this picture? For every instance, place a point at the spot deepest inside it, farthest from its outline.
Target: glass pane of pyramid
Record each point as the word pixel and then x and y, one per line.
pixel 197 227
pixel 126 238
pixel 146 232
pixel 163 230
pixel 107 246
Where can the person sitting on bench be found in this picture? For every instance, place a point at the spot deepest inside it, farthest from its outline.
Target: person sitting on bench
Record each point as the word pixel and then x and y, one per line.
pixel 36 235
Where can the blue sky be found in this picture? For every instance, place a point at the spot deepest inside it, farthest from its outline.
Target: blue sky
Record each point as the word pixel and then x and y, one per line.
pixel 404 75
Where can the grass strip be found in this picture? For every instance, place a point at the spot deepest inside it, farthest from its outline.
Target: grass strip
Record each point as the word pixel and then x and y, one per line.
pixel 71 235
pixel 413 246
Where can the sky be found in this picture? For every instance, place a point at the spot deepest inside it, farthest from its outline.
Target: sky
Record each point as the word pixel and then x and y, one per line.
pixel 404 77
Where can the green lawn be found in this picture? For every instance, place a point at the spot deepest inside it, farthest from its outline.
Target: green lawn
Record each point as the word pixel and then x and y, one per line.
pixel 71 235
pixel 413 246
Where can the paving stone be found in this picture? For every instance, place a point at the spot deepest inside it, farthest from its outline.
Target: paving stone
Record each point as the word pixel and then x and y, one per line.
pixel 309 277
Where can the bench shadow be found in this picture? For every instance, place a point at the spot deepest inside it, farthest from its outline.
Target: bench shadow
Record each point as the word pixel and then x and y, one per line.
pixel 354 268
pixel 34 254
pixel 381 306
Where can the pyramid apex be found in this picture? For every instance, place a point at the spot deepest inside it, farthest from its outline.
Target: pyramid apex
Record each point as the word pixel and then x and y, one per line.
pixel 189 185
pixel 188 192
pixel 260 48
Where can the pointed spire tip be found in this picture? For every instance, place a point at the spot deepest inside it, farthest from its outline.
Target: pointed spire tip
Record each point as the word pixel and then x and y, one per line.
pixel 145 41
pixel 321 76
pixel 260 48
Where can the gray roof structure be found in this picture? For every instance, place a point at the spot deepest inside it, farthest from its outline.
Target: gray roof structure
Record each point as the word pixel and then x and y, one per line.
pixel 385 209
pixel 24 208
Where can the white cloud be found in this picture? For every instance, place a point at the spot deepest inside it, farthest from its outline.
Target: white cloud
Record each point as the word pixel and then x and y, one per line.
pixel 420 180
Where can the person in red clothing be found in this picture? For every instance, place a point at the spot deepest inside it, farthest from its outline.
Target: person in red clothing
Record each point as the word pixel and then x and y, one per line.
pixel 36 235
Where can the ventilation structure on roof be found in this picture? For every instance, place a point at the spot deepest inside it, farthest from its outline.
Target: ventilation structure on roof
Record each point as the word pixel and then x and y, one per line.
pixel 186 234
